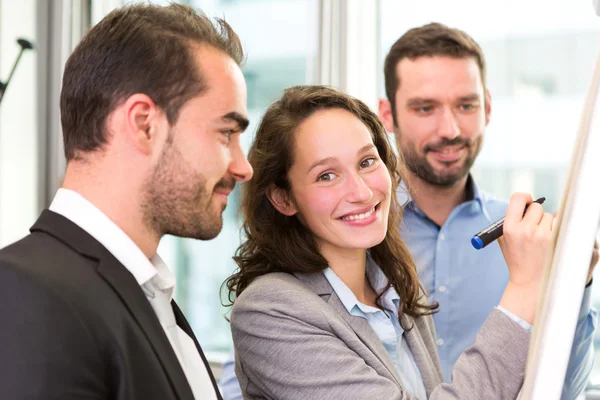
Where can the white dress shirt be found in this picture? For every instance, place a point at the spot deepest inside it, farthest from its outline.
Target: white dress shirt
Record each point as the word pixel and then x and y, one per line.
pixel 152 275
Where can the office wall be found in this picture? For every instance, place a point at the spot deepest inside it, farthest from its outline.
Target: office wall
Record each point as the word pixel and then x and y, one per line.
pixel 18 125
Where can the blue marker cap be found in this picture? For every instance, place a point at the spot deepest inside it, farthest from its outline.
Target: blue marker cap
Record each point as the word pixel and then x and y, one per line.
pixel 477 242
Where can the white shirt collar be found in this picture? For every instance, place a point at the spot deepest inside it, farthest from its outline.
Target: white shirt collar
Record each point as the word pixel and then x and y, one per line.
pixel 88 217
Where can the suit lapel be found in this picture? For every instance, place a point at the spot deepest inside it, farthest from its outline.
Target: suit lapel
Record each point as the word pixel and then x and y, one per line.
pixel 185 326
pixel 363 330
pixel 319 284
pixel 134 299
pixel 126 287
pixel 427 366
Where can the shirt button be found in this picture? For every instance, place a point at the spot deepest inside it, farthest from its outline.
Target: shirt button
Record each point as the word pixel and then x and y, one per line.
pixel 442 289
pixel 442 236
pixel 440 342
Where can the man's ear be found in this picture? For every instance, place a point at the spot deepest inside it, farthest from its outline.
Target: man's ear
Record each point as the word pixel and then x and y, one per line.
pixel 143 121
pixel 385 114
pixel 281 201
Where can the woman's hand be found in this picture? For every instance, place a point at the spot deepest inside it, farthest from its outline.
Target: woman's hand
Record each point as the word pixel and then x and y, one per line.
pixel 525 245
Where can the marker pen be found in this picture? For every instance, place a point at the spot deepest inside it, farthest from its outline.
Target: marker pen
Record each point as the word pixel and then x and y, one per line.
pixel 495 230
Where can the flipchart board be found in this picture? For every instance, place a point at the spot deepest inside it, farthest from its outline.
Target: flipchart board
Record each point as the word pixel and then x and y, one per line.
pixel 566 272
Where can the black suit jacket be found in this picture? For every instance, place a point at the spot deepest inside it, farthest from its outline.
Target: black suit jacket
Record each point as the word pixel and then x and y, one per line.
pixel 75 324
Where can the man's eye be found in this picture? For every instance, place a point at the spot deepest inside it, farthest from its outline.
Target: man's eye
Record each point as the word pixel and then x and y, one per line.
pixel 227 133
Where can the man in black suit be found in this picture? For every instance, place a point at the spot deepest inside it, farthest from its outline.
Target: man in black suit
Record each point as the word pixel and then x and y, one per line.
pixel 152 105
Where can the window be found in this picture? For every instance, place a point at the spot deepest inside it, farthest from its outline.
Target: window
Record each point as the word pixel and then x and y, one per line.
pixel 18 122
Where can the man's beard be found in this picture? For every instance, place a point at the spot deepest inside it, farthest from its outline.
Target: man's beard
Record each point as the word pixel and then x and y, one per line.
pixel 420 166
pixel 177 201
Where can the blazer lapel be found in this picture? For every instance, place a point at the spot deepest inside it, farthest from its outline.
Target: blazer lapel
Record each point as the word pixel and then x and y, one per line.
pixel 183 324
pixel 134 299
pixel 127 288
pixel 319 284
pixel 429 368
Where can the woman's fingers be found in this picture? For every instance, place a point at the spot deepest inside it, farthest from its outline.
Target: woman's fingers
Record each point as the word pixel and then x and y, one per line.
pixel 547 221
pixel 526 239
pixel 534 213
pixel 516 206
pixel 525 246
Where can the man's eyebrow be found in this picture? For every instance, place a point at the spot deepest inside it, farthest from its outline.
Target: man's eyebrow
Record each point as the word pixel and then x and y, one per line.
pixel 238 118
pixel 469 97
pixel 420 101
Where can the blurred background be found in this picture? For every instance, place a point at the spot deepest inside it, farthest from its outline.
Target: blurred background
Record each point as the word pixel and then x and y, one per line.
pixel 540 56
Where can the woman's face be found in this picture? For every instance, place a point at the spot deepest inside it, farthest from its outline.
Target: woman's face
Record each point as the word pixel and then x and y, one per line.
pixel 340 187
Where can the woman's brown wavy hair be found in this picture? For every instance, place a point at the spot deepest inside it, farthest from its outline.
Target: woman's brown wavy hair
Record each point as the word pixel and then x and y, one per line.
pixel 278 243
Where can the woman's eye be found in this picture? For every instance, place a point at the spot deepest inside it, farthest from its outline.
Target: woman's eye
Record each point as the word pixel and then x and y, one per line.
pixel 367 162
pixel 326 177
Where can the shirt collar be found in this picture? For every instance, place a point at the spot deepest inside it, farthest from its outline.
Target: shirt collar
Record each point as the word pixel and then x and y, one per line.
pixel 346 296
pixel 378 280
pixel 88 217
pixel 473 193
pixel 163 280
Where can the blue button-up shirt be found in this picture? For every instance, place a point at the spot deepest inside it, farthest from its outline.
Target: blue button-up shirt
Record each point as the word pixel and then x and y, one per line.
pixel 469 283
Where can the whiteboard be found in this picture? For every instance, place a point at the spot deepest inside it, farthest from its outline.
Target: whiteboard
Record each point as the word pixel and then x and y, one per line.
pixel 566 272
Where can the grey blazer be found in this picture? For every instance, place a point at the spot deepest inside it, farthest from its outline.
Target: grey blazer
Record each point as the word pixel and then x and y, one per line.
pixel 294 339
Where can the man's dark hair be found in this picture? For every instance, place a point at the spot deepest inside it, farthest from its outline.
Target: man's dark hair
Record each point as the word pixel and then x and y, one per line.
pixel 136 49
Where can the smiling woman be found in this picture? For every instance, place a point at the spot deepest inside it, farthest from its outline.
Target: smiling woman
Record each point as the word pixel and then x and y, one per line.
pixel 328 303
pixel 341 196
pixel 312 193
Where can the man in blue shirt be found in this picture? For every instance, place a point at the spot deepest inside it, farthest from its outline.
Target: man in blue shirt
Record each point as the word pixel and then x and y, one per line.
pixel 438 107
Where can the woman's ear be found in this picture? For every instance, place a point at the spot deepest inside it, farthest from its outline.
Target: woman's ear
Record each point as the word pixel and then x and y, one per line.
pixel 281 201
